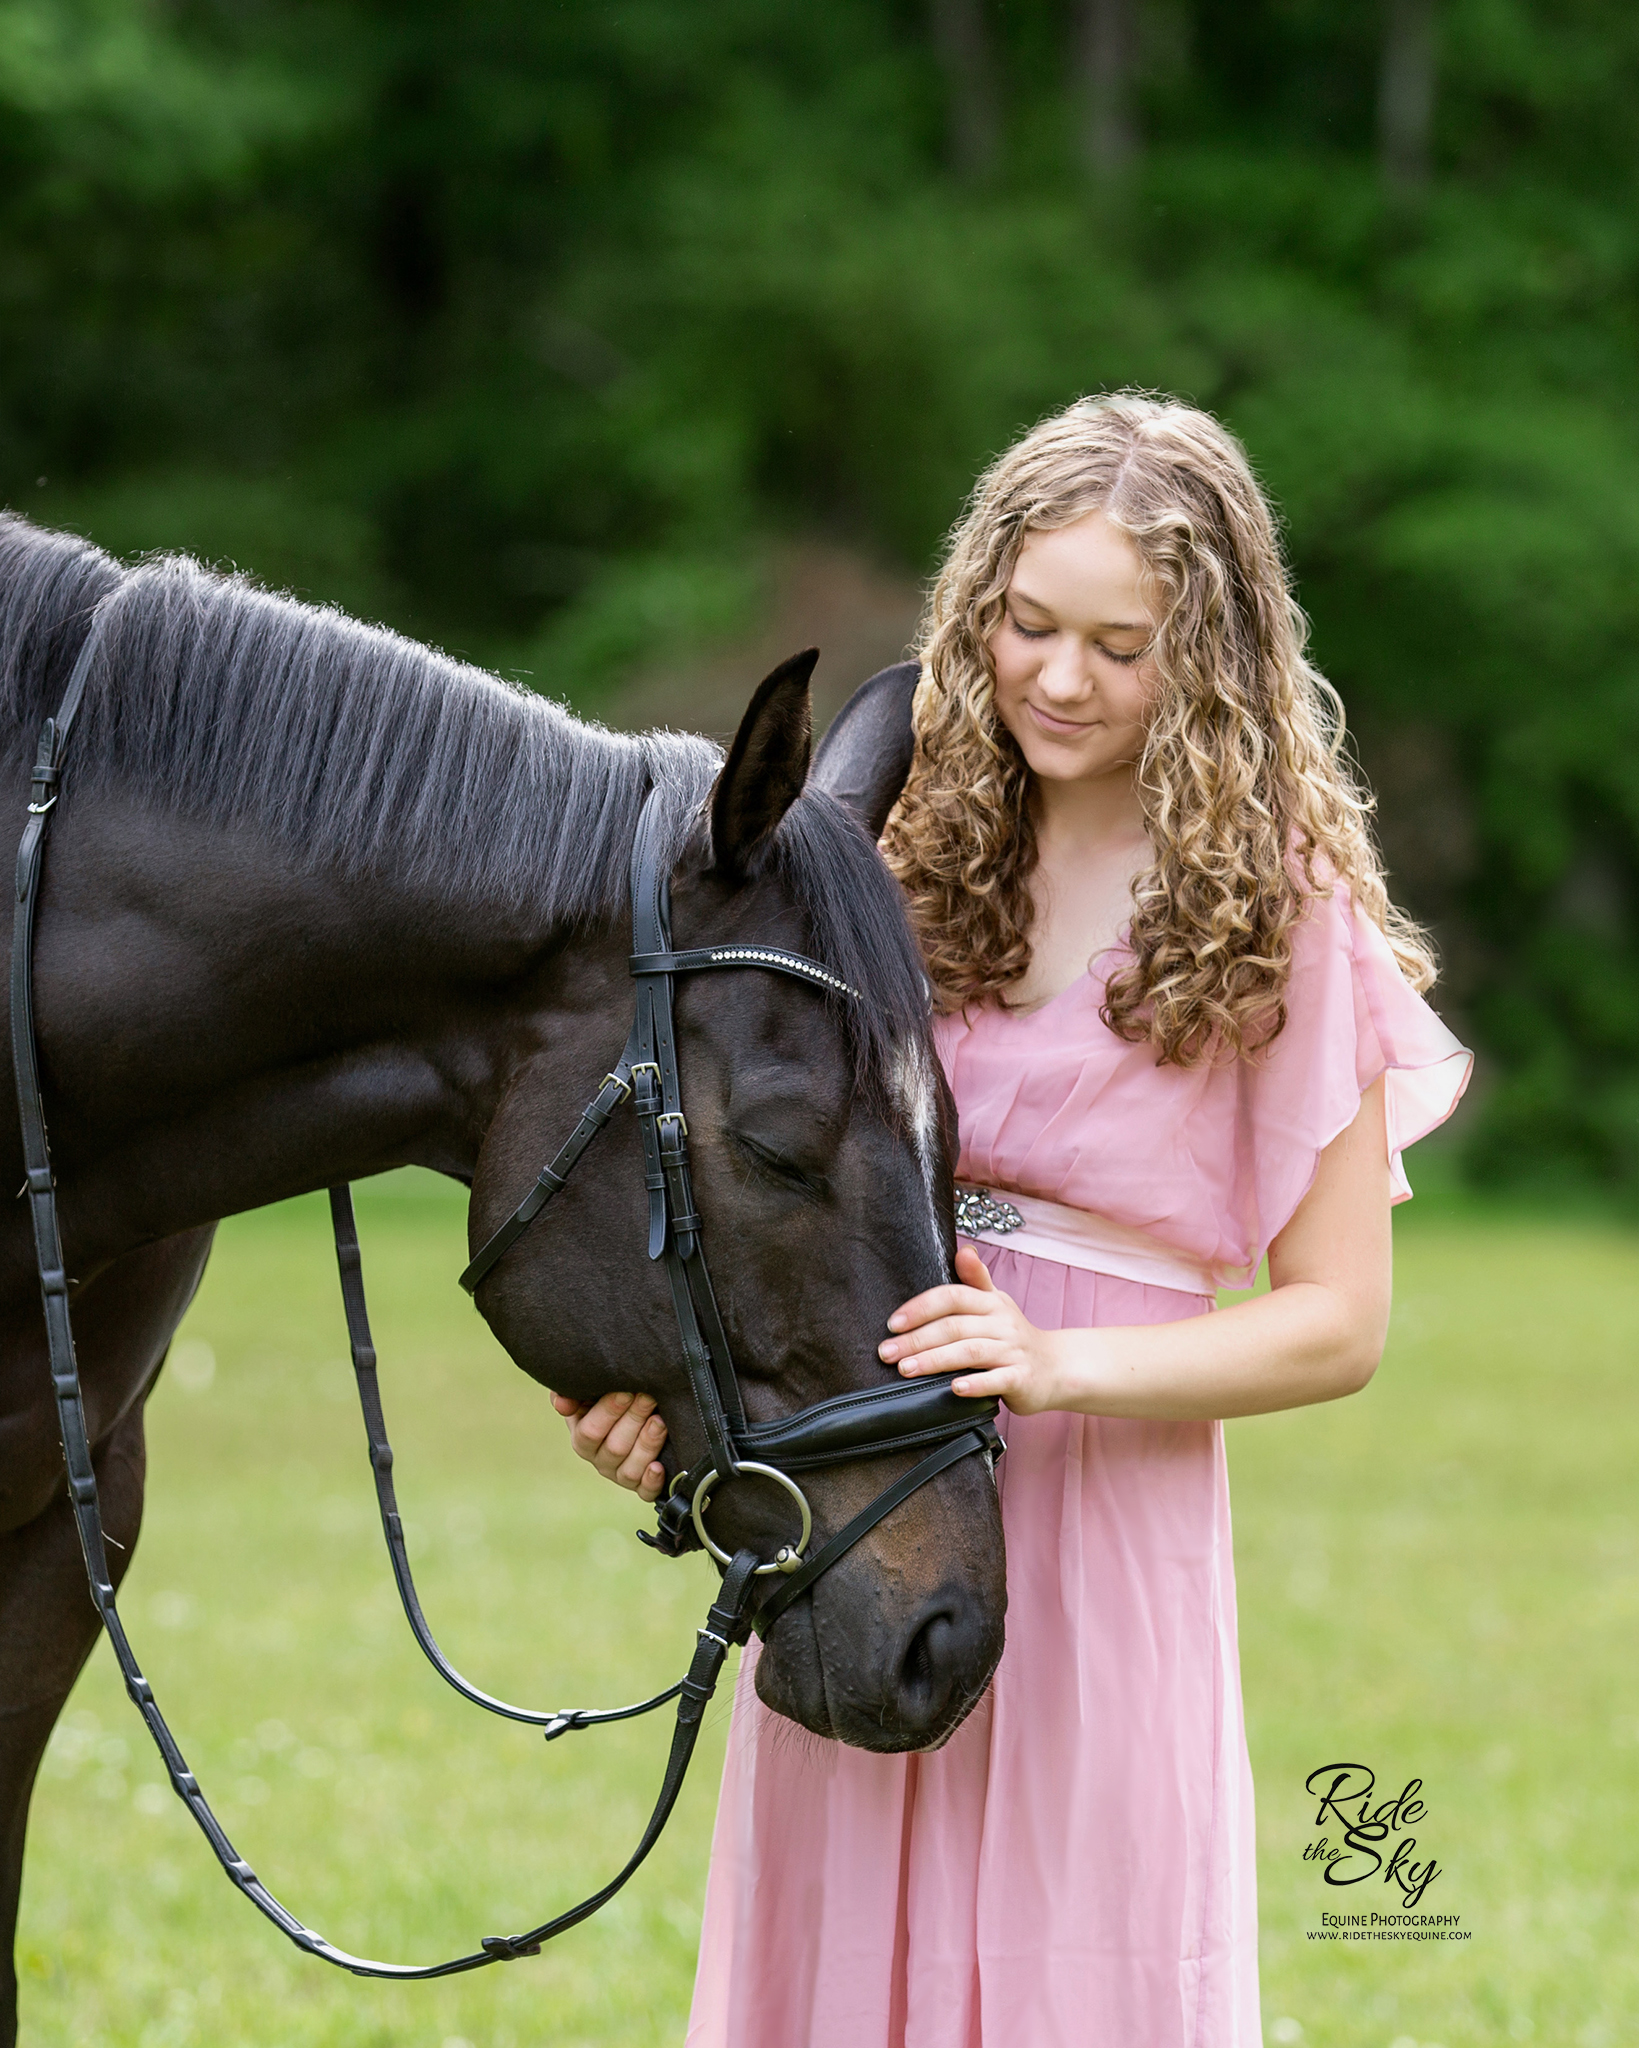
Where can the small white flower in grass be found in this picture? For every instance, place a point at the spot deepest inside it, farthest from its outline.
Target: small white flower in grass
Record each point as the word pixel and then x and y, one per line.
pixel 172 1610
pixel 149 1799
pixel 1286 2030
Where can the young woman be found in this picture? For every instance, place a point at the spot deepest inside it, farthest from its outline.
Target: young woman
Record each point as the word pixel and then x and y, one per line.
pixel 1181 1022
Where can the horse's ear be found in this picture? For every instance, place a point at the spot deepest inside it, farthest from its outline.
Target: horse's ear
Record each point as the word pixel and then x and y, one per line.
pixel 766 766
pixel 865 757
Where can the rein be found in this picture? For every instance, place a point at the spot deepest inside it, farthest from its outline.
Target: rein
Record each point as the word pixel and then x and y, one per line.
pixel 898 1417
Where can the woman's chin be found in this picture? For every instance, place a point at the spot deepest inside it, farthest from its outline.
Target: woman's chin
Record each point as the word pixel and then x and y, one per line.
pixel 1070 760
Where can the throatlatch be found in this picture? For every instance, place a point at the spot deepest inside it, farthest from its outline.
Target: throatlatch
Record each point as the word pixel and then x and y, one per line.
pixel 898 1417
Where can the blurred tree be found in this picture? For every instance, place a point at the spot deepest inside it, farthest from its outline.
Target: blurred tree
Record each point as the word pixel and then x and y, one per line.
pixel 1405 94
pixel 1106 49
pixel 524 326
pixel 962 40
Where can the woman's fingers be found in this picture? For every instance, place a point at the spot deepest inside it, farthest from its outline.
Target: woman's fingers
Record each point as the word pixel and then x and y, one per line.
pixel 960 1354
pixel 993 1386
pixel 589 1426
pixel 643 1439
pixel 938 1301
pixel 622 1436
pixel 971 1268
pixel 951 1329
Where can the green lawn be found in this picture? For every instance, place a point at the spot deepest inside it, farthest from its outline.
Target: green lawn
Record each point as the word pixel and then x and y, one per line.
pixel 1439 1579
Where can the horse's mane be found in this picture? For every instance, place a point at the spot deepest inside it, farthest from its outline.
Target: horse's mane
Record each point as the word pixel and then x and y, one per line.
pixel 369 753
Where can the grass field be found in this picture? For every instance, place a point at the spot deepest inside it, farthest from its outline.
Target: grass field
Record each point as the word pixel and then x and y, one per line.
pixel 1439 1579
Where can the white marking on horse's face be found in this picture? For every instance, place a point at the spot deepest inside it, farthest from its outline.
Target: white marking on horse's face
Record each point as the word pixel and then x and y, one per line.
pixel 916 1090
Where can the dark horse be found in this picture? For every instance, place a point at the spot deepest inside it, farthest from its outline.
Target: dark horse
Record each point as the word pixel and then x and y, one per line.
pixel 319 902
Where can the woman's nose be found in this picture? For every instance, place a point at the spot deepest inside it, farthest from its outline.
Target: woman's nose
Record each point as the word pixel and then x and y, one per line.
pixel 1065 675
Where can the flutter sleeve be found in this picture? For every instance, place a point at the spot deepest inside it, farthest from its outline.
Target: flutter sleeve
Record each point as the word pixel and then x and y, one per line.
pixel 1351 1016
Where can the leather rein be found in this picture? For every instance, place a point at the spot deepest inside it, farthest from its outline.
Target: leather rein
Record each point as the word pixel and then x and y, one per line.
pixel 912 1415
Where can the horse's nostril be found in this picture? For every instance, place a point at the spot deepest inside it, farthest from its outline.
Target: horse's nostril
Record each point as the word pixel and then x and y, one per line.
pixel 927 1670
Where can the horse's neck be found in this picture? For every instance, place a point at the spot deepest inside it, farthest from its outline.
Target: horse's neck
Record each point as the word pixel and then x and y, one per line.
pixel 222 1027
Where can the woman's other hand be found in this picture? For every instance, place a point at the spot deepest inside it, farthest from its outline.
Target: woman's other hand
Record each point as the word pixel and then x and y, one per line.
pixel 622 1436
pixel 976 1329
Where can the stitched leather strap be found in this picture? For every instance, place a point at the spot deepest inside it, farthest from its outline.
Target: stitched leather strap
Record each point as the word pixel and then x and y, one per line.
pixel 982 1437
pixel 903 1415
pixel 616 1089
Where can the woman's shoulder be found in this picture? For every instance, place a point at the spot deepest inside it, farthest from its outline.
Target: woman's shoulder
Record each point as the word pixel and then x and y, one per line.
pixel 1352 1018
pixel 1336 939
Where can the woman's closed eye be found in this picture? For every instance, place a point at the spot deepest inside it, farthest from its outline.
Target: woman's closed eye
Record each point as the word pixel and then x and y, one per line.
pixel 1127 658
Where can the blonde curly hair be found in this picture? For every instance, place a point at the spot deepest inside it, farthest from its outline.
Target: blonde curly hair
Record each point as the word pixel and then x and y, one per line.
pixel 1251 804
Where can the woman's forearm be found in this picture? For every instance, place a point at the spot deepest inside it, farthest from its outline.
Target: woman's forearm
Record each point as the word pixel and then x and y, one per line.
pixel 1317 1333
pixel 1301 1343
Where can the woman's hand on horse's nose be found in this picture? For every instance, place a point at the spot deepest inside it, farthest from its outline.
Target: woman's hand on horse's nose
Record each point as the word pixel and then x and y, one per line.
pixel 622 1436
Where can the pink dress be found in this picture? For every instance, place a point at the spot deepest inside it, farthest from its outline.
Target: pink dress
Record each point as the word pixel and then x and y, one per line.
pixel 1075 1868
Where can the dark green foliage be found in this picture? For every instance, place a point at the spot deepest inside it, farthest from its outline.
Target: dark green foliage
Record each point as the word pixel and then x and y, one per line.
pixel 520 324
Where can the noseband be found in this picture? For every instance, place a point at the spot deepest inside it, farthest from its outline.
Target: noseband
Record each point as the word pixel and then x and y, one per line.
pixel 906 1416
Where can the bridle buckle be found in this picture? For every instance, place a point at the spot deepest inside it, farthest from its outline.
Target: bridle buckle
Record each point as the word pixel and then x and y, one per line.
pixel 788 1558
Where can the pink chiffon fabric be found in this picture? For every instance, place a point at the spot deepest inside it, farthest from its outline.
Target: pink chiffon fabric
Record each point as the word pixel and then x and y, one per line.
pixel 1075 1868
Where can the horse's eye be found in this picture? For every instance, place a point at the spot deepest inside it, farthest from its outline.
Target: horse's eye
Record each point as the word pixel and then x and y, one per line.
pixel 781 1167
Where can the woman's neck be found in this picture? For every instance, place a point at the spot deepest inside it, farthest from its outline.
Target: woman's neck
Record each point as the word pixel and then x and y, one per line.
pixel 1091 819
pixel 1091 840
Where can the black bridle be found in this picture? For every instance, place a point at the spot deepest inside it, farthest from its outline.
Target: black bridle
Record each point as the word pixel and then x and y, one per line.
pixel 914 1415
pixel 904 1415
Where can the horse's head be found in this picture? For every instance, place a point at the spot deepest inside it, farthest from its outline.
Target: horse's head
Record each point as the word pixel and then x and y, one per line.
pixel 821 1135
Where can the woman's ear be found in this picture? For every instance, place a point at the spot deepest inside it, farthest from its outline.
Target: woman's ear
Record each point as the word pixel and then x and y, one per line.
pixel 865 757
pixel 766 766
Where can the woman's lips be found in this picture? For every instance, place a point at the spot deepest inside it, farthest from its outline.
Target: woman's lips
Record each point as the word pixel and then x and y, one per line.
pixel 1060 726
